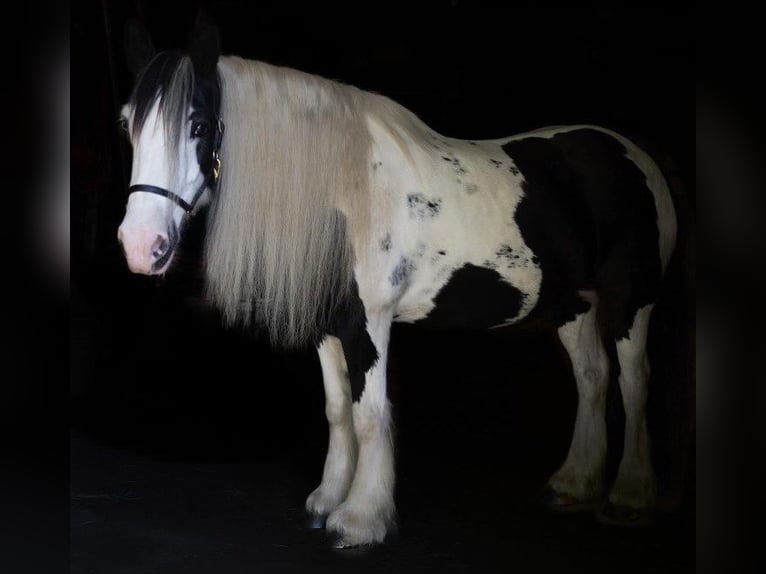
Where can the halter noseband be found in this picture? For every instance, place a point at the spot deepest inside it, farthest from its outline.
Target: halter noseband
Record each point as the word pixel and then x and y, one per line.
pixel 211 181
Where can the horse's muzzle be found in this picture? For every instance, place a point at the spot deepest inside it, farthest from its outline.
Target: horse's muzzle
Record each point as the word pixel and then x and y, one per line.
pixel 148 253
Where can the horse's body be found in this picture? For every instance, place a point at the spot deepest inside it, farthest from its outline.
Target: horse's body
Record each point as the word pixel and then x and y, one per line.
pixel 496 211
pixel 555 224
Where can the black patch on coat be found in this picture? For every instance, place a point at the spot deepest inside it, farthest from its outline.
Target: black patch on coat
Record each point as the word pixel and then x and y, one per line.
pixel 385 243
pixel 350 326
pixel 455 161
pixel 401 271
pixel 507 257
pixel 590 218
pixel 505 252
pixel 496 163
pixel 474 297
pixel 420 206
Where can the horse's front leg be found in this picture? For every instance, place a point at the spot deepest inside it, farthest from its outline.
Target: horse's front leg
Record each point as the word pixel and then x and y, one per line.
pixel 368 511
pixel 341 451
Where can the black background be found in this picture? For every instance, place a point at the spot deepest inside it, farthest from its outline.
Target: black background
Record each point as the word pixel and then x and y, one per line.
pixel 161 392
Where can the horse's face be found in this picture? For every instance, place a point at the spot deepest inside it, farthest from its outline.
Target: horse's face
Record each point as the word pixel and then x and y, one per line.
pixel 150 230
pixel 172 121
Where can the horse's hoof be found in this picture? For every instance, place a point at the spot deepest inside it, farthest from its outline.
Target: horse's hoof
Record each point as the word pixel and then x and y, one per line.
pixel 339 543
pixel 620 515
pixel 351 550
pixel 316 521
pixel 559 502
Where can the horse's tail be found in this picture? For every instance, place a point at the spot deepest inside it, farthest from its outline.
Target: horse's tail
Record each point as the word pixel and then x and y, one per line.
pixel 674 362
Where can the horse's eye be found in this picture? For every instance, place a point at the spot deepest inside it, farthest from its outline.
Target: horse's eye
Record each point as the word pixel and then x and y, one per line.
pixel 123 123
pixel 199 129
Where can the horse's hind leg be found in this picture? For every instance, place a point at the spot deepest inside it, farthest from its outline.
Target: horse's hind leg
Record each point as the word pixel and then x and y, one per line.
pixel 579 481
pixel 634 491
pixel 341 451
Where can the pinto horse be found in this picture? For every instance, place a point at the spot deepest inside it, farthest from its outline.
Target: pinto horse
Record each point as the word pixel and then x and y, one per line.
pixel 334 212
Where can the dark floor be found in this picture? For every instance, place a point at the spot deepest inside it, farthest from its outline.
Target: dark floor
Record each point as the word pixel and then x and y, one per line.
pixel 180 463
pixel 135 514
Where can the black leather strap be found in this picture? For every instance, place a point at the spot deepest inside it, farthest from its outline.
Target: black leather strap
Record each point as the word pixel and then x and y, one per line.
pixel 179 201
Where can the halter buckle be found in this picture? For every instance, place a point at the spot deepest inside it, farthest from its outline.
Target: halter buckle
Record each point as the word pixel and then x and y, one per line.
pixel 217 166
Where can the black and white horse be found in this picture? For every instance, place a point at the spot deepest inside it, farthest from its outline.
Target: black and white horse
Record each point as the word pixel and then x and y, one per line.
pixel 335 212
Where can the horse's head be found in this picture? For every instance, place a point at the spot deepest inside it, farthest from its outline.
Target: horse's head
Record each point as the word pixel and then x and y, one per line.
pixel 172 120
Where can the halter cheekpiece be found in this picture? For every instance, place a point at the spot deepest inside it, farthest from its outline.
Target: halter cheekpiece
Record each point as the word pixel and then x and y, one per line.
pixel 211 181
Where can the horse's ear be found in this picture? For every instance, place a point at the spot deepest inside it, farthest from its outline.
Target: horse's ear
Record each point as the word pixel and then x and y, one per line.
pixel 205 46
pixel 139 48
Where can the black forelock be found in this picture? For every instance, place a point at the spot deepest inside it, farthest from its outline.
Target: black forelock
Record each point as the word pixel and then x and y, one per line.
pixel 153 82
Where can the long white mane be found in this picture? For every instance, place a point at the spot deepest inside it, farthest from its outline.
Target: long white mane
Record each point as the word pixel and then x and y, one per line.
pixel 296 148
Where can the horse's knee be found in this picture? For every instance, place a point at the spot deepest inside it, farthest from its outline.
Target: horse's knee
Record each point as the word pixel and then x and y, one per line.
pixel 371 421
pixel 593 380
pixel 338 413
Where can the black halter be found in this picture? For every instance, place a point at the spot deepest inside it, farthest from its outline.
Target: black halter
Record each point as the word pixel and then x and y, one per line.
pixel 211 181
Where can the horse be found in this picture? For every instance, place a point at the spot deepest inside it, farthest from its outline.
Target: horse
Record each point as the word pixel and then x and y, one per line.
pixel 335 212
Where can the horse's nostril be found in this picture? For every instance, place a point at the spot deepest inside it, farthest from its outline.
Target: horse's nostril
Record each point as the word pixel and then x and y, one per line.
pixel 160 246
